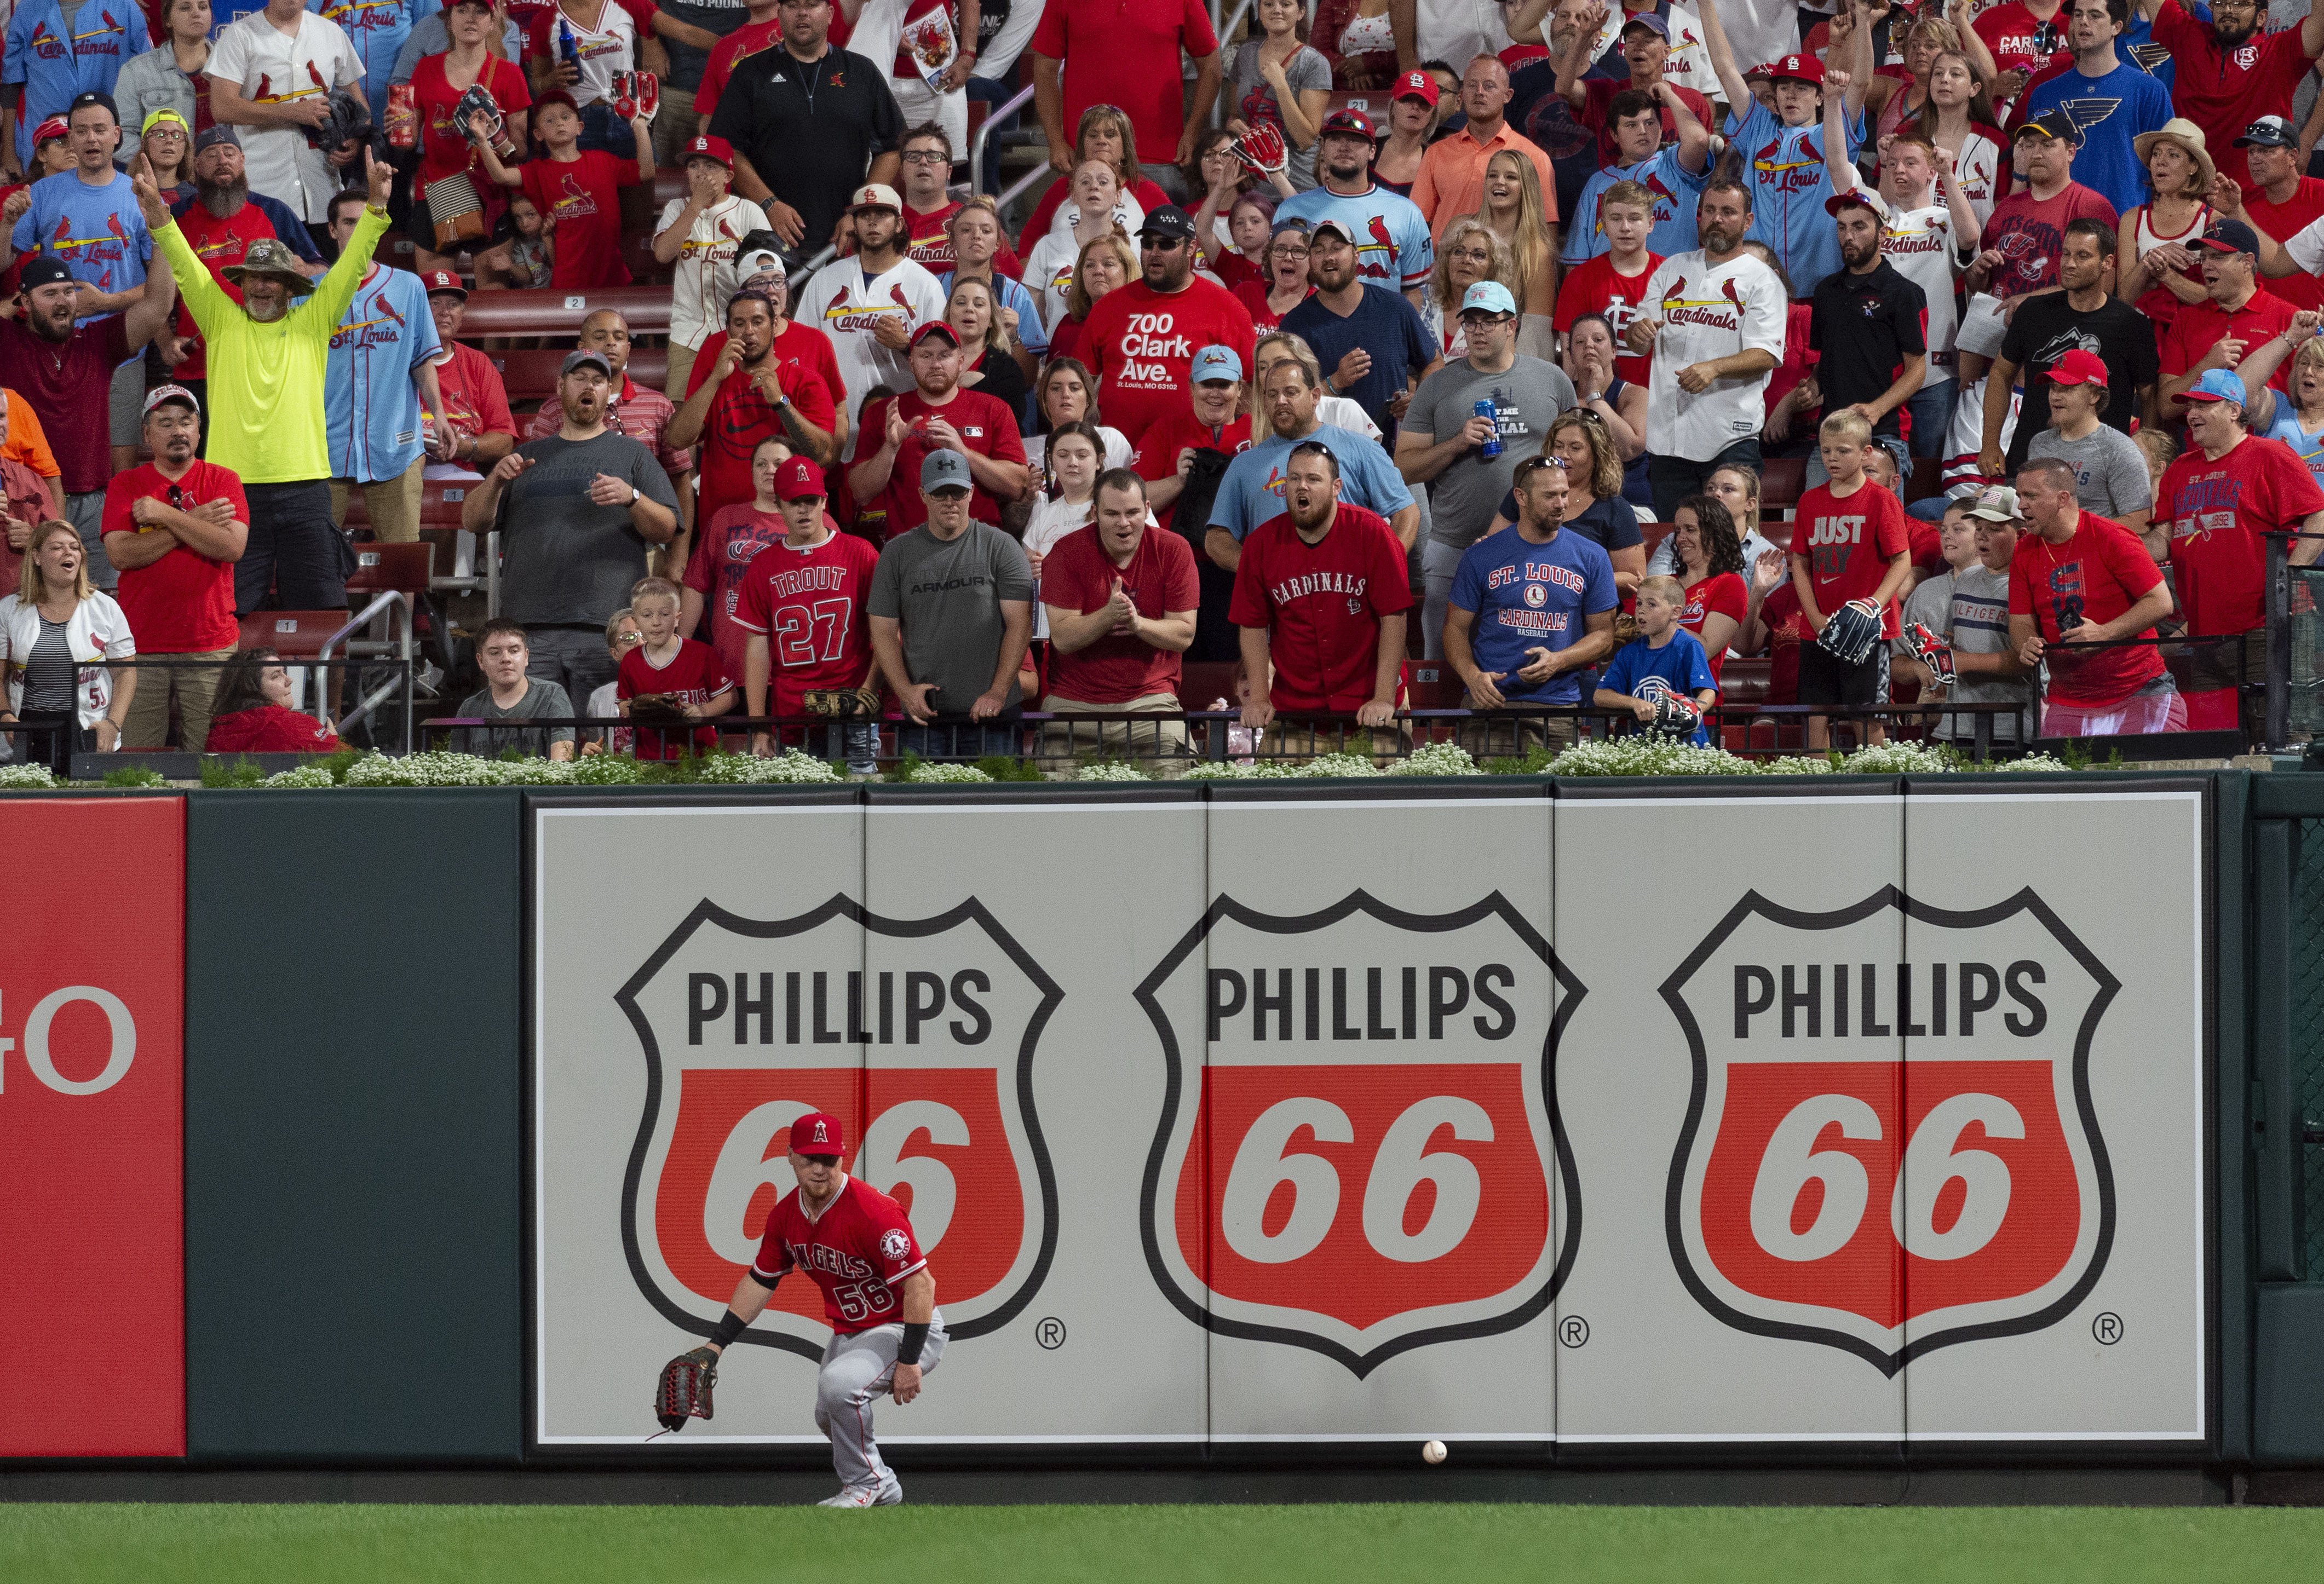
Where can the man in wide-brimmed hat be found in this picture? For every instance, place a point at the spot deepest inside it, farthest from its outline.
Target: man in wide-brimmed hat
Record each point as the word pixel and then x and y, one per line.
pixel 268 354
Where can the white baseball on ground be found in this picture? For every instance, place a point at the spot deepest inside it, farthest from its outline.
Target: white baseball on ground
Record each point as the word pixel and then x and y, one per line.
pixel 1433 1451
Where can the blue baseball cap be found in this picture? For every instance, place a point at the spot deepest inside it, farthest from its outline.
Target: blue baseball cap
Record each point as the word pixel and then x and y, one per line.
pixel 1217 363
pixel 2220 385
pixel 1488 297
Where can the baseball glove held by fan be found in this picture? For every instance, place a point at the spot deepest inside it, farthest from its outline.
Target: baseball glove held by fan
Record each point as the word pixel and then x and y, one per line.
pixel 656 709
pixel 843 703
pixel 1851 633
pixel 685 1390
pixel 1262 150
pixel 1931 651
pixel 479 101
pixel 1675 717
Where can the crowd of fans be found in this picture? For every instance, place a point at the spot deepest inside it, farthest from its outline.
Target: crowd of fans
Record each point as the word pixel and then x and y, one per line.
pixel 1398 332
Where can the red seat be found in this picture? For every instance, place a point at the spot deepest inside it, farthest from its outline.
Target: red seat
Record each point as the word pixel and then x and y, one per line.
pixel 547 311
pixel 1781 481
pixel 529 378
pixel 298 635
pixel 403 568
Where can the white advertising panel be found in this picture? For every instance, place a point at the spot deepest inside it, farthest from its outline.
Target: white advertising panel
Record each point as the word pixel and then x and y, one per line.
pixel 1810 1115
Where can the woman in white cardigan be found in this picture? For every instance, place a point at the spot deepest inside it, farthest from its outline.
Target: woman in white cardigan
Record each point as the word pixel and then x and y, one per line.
pixel 62 640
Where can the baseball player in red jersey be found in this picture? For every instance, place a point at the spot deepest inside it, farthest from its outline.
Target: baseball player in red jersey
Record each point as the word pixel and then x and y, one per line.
pixel 856 1244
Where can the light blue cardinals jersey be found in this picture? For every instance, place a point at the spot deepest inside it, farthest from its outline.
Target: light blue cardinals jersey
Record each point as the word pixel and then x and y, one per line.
pixel 97 231
pixel 377 29
pixel 1677 190
pixel 1785 167
pixel 370 405
pixel 1392 243
pixel 55 62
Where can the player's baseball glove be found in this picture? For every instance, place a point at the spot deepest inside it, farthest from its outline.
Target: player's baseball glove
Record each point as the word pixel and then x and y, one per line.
pixel 843 703
pixel 1931 651
pixel 656 709
pixel 685 1390
pixel 1851 633
pixel 1262 150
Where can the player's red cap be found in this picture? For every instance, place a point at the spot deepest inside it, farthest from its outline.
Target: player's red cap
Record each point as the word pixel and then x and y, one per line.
pixel 798 479
pixel 818 1133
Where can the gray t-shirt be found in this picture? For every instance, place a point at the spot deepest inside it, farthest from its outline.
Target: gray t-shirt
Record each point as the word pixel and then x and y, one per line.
pixel 1526 398
pixel 2109 472
pixel 565 560
pixel 1970 608
pixel 541 698
pixel 947 594
pixel 1254 102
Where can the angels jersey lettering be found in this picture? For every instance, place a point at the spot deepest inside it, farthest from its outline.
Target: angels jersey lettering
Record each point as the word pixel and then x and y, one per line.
pixel 858 1251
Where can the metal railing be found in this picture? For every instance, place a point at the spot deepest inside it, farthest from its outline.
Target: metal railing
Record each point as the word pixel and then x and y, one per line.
pixel 990 129
pixel 399 650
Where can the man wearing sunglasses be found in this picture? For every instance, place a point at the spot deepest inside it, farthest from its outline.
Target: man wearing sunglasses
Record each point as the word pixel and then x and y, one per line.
pixel 1141 338
pixel 175 528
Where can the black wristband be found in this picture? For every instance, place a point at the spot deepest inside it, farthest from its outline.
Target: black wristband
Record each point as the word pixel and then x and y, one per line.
pixel 729 1328
pixel 916 1337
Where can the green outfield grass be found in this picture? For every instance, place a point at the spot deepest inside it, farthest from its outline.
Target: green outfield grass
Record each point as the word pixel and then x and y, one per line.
pixel 1458 1544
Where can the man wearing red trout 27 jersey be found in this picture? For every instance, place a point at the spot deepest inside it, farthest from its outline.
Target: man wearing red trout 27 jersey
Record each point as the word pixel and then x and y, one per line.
pixel 856 1244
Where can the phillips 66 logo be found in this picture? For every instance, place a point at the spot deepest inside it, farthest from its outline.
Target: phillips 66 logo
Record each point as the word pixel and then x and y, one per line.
pixel 917 1035
pixel 1891 1146
pixel 1358 1150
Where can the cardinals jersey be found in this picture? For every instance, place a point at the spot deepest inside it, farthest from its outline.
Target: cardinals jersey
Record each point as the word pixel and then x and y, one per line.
pixel 1676 192
pixel 1708 311
pixel 1785 167
pixel 98 232
pixel 53 61
pixel 370 405
pixel 1321 604
pixel 705 276
pixel 808 605
pixel 1392 243
pixel 598 53
pixel 848 305
pixel 274 68
pixel 858 1251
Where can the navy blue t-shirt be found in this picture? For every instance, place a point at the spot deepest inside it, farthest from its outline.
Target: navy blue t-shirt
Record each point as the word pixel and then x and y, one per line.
pixel 1384 325
pixel 1641 670
pixel 1532 596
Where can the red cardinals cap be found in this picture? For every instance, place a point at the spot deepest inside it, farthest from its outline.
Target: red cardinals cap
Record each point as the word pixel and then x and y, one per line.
pixel 2079 367
pixel 53 127
pixel 1799 68
pixel 1417 84
pixel 818 1133
pixel 706 147
pixel 875 195
pixel 1354 123
pixel 935 327
pixel 438 280
pixel 554 96
pixel 798 479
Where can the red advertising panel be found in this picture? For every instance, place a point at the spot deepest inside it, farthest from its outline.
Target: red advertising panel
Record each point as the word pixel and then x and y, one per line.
pixel 92 1066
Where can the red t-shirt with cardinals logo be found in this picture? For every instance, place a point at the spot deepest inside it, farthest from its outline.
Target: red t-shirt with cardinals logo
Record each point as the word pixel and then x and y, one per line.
pixel 808 605
pixel 2095 575
pixel 739 418
pixel 929 245
pixel 1142 344
pixel 1321 604
pixel 858 1252
pixel 1849 541
pixel 985 425
pixel 1596 287
pixel 1722 596
pixel 2217 512
pixel 2020 42
pixel 694 674
pixel 1157 455
pixel 583 198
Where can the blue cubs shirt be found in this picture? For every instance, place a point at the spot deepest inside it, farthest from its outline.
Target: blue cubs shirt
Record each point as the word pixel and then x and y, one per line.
pixel 1676 190
pixel 377 29
pixel 1643 671
pixel 2111 110
pixel 1392 241
pixel 1532 596
pixel 370 405
pixel 1253 490
pixel 1784 166
pixel 97 231
pixel 55 62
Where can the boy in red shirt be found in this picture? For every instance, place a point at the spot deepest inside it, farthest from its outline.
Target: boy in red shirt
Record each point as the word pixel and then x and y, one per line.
pixel 1319 594
pixel 2074 578
pixel 1613 284
pixel 801 600
pixel 1849 546
pixel 579 191
pixel 683 669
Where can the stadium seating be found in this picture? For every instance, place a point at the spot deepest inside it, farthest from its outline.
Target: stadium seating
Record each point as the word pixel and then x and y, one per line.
pixel 546 311
pixel 297 635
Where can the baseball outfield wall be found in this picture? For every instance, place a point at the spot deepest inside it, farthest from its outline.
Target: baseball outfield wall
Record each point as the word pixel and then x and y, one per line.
pixel 1850 1119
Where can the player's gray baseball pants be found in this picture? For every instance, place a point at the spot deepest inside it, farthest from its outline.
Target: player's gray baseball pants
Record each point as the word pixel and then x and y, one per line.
pixel 856 1370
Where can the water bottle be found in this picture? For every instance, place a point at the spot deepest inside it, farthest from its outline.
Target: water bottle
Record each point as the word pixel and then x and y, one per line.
pixel 1492 448
pixel 567 47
